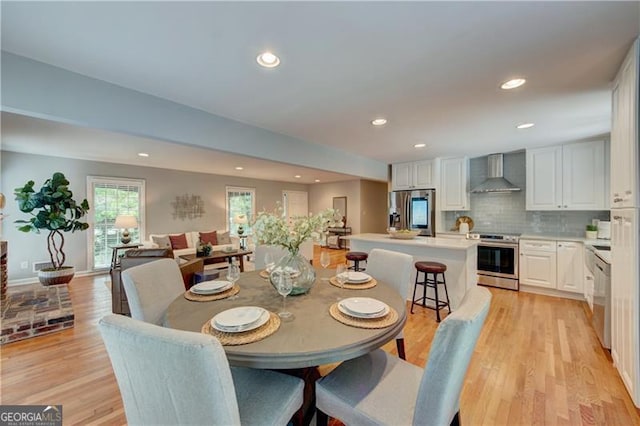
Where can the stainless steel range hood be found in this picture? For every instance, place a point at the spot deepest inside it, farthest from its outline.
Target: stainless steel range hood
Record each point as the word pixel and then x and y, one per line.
pixel 495 182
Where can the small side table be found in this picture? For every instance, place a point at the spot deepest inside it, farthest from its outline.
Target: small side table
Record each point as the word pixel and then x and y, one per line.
pixel 115 259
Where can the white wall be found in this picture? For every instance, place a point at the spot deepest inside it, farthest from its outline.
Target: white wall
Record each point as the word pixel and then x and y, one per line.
pixel 321 197
pixel 162 186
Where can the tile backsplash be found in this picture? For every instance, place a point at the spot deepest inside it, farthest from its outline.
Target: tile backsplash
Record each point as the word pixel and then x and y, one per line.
pixel 493 212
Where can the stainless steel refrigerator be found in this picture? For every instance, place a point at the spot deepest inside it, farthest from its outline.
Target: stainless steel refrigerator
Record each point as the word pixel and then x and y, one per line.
pixel 414 210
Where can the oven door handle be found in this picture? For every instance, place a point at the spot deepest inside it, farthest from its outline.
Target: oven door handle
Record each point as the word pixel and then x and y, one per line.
pixel 492 244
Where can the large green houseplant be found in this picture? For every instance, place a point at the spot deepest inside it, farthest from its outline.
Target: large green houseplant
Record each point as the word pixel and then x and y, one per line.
pixel 53 209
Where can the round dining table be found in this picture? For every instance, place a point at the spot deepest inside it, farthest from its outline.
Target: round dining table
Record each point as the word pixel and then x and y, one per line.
pixel 311 338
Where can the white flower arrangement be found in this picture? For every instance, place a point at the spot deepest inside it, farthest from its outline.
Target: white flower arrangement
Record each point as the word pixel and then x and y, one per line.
pixel 271 228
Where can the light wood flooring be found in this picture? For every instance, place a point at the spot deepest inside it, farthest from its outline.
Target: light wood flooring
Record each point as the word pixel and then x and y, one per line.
pixel 538 361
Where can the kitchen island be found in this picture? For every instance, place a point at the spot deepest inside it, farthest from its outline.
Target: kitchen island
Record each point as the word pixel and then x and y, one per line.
pixel 460 256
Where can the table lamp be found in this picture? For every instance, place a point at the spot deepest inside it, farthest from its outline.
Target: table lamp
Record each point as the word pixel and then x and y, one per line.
pixel 125 222
pixel 240 220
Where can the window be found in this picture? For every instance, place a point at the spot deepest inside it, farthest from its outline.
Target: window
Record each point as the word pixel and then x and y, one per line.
pixel 108 198
pixel 240 201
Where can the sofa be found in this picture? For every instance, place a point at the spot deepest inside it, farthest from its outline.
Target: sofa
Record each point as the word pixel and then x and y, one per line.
pixel 224 241
pixel 135 257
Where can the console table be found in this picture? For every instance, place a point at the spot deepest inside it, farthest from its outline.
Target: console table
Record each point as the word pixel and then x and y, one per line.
pixel 339 232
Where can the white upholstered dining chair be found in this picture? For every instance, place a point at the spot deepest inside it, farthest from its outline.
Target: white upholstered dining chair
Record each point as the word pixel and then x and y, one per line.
pixel 176 377
pixel 151 288
pixel 380 389
pixel 395 269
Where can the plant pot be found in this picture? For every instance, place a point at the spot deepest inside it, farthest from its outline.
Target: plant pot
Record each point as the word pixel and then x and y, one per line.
pixel 591 235
pixel 299 270
pixel 50 276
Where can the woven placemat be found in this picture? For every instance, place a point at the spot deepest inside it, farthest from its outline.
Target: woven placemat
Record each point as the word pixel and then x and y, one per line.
pixel 234 339
pixel 385 321
pixel 264 274
pixel 211 297
pixel 369 284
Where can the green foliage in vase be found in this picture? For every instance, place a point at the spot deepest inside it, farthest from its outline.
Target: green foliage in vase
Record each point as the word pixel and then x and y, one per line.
pixel 52 208
pixel 272 228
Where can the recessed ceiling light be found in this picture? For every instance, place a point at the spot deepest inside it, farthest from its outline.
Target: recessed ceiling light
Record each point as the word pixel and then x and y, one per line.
pixel 512 84
pixel 317 180
pixel 525 125
pixel 420 145
pixel 297 176
pixel 239 168
pixel 268 60
pixel 379 122
pixel 143 154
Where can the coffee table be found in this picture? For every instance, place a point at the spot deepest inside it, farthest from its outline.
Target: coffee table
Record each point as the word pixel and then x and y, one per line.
pixel 221 256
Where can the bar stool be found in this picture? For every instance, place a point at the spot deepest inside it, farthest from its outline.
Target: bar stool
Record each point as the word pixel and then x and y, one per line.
pixel 433 269
pixel 356 257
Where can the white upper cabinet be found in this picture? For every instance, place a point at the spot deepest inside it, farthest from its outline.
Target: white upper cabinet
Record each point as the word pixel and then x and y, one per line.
pixel 454 187
pixel 624 134
pixel 584 177
pixel 413 175
pixel 544 178
pixel 567 177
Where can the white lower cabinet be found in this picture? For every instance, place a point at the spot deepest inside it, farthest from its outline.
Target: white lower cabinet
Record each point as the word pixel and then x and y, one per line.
pixel 570 270
pixel 550 264
pixel 538 263
pixel 589 287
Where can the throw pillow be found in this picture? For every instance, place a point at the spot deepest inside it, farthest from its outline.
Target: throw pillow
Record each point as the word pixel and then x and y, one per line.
pixel 162 242
pixel 223 238
pixel 209 237
pixel 178 242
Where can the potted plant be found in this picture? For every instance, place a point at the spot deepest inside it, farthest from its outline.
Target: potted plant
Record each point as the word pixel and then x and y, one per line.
pixel 592 232
pixel 52 208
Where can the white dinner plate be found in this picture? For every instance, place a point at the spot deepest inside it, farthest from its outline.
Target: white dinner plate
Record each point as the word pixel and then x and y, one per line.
pixel 363 305
pixel 346 311
pixel 240 319
pixel 358 277
pixel 211 287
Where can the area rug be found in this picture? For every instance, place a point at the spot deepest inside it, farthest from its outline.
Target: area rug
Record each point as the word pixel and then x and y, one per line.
pixel 33 310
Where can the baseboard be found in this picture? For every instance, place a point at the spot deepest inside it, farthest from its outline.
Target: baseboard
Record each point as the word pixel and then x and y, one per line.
pixel 551 292
pixel 33 280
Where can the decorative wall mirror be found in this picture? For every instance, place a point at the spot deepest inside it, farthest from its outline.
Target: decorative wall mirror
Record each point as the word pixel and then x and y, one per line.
pixel 340 204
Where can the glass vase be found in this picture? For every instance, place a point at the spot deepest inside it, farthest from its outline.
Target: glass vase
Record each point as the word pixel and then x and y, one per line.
pixel 299 270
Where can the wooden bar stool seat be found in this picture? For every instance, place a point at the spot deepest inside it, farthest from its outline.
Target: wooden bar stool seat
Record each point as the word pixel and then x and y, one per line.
pixel 356 257
pixel 431 271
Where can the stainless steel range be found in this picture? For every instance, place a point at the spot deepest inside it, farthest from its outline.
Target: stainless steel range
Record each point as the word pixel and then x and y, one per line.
pixel 497 259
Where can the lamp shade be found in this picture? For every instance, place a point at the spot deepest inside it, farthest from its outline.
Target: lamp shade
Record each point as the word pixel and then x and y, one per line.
pixel 240 219
pixel 124 221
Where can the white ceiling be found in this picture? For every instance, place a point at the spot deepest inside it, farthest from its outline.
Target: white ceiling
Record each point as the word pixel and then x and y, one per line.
pixel 433 69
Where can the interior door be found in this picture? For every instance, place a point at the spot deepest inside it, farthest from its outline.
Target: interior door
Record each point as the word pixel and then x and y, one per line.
pixel 296 203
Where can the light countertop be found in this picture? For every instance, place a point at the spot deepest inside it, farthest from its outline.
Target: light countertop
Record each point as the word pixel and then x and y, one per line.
pixel 427 242
pixel 561 237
